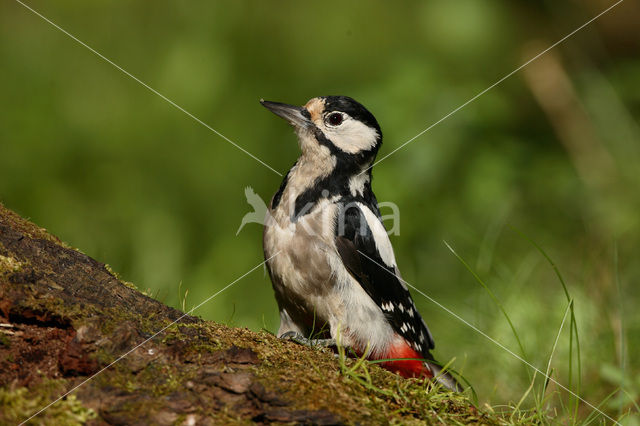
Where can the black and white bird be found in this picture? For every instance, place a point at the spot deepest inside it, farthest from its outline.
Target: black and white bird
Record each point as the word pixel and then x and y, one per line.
pixel 329 257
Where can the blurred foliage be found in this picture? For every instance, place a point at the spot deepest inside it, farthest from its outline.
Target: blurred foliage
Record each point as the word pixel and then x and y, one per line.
pixel 115 170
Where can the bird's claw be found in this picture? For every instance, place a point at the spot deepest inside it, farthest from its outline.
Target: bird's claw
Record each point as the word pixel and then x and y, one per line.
pixel 299 338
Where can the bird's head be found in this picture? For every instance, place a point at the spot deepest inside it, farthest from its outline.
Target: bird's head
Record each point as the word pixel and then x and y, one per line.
pixel 342 125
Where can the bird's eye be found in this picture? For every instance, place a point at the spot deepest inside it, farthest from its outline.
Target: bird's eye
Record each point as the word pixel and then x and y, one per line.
pixel 335 119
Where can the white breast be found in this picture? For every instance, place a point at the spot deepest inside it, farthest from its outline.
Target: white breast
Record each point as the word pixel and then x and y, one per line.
pixel 309 269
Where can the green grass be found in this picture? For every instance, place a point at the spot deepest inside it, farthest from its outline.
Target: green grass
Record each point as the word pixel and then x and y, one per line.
pixel 537 403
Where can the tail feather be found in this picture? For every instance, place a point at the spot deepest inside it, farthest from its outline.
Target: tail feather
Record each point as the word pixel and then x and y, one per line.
pixel 445 378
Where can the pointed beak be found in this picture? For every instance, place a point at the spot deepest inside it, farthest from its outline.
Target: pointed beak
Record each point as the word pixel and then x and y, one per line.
pixel 295 115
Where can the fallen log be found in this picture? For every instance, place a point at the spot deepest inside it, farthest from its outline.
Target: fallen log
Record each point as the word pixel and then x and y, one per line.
pixel 78 345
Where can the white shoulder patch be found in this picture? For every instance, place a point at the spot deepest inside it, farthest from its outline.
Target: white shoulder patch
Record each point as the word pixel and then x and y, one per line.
pixel 383 244
pixel 357 182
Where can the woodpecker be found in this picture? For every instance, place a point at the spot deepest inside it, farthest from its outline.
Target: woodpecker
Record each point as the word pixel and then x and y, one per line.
pixel 328 254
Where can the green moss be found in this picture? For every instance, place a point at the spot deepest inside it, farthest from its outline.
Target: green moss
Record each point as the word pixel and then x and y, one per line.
pixel 117 276
pixel 112 318
pixel 36 300
pixel 4 341
pixel 357 390
pixel 21 403
pixel 9 265
pixel 28 228
pixel 316 380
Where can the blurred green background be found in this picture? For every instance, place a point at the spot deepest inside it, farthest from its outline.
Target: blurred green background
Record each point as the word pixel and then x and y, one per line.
pixel 553 152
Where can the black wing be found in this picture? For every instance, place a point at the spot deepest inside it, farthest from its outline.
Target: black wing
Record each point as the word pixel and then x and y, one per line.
pixel 356 244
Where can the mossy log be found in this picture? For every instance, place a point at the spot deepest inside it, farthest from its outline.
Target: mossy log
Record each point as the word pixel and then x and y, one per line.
pixel 66 321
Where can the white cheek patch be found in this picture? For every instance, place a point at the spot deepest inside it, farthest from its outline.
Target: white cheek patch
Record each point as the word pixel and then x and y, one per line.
pixel 383 244
pixel 352 136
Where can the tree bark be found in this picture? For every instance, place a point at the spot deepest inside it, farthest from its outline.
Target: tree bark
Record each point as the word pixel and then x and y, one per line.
pixel 67 323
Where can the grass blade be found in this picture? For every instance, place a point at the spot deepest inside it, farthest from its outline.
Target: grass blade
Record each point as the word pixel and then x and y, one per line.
pixel 493 297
